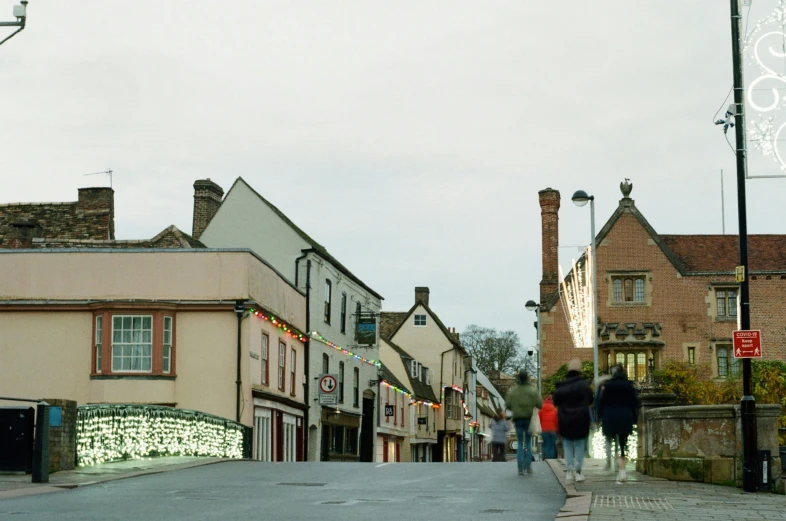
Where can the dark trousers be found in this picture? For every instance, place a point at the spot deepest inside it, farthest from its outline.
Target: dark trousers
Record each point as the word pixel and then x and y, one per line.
pixel 498 451
pixel 549 445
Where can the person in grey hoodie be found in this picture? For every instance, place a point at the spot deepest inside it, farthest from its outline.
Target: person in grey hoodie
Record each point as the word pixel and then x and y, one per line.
pixel 521 400
pixel 499 436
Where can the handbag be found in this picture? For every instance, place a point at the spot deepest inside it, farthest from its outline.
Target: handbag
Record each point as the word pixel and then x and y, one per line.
pixel 534 422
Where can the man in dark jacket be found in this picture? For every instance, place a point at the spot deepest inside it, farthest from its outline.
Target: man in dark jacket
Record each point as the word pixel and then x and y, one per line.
pixel 573 398
pixel 618 407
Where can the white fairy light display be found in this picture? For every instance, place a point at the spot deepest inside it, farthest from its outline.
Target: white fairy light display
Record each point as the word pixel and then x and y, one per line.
pixel 576 298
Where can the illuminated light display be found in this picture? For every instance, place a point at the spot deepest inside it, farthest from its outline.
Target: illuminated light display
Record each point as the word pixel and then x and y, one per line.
pixel 121 432
pixel 320 338
pixel 598 442
pixel 576 299
pixel 425 402
pixel 283 326
pixel 398 389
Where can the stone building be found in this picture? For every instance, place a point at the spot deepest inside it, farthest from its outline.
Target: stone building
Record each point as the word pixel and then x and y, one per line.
pixel 663 297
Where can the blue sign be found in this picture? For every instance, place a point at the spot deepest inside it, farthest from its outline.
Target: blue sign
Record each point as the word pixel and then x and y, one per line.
pixel 55 416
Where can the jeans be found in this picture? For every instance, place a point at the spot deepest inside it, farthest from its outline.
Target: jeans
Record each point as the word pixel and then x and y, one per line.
pixel 523 452
pixel 549 445
pixel 498 449
pixel 574 453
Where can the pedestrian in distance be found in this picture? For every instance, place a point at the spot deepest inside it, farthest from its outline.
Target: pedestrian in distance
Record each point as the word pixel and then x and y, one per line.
pixel 548 425
pixel 499 436
pixel 573 398
pixel 521 399
pixel 618 408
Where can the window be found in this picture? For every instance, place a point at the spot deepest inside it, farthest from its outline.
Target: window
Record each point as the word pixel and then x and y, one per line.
pixel 132 343
pixel 292 371
pixel 635 364
pixel 99 344
pixel 357 318
pixel 343 312
pixel 341 382
pixel 356 387
pixel 449 403
pixel 395 408
pixel 726 299
pixel 328 291
pixel 727 367
pixel 387 402
pixel 420 320
pixel 692 355
pixel 282 362
pixel 402 410
pixel 167 354
pixel 265 364
pixel 628 288
pixel 325 363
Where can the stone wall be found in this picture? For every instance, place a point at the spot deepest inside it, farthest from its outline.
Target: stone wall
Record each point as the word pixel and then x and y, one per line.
pixel 62 440
pixel 704 443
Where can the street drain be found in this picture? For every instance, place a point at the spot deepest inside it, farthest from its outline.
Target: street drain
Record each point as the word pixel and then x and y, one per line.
pixel 493 511
pixel 302 484
pixel 660 504
pixel 333 503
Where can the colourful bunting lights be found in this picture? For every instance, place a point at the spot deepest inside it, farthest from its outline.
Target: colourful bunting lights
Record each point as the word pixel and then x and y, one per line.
pixel 402 391
pixel 320 338
pixel 286 328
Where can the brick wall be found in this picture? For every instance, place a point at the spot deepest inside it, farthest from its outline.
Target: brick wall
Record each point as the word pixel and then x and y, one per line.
pixel 207 201
pixel 62 440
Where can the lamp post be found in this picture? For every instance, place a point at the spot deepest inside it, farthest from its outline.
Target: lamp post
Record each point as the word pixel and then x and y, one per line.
pixel 531 305
pixel 580 198
pixel 20 12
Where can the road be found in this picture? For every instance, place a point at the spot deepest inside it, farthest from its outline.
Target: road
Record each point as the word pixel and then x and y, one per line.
pixel 297 491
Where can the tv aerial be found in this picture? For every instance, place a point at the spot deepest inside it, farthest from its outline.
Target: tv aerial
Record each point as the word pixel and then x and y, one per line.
pixel 108 172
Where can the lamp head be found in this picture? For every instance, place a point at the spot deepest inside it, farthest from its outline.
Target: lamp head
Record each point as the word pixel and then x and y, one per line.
pixel 531 305
pixel 580 198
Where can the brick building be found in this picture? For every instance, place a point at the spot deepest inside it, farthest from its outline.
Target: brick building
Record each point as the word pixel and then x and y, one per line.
pixel 663 297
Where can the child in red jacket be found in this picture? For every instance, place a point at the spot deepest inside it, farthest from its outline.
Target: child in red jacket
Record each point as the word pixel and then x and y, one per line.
pixel 548 424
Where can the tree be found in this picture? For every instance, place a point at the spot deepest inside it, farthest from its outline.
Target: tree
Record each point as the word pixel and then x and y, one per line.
pixel 496 351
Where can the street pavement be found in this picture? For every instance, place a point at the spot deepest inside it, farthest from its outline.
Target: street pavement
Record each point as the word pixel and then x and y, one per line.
pixel 646 498
pixel 297 491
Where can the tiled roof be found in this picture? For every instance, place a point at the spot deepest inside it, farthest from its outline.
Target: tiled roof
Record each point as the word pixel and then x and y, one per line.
pixel 387 375
pixel 389 322
pixel 170 237
pixel 420 389
pixel 315 246
pixel 720 253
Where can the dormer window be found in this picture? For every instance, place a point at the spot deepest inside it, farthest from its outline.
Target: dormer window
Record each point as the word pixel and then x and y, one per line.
pixel 420 320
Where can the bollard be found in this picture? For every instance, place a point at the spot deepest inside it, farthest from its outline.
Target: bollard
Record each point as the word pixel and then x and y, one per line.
pixel 41 445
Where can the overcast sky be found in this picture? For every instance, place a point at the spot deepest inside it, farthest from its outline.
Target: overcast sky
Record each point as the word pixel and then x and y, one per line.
pixel 409 138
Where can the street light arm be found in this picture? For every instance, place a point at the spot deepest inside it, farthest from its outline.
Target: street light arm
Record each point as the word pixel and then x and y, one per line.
pixel 20 11
pixel 12 34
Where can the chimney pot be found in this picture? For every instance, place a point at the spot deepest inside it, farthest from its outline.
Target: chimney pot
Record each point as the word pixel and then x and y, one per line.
pixel 421 295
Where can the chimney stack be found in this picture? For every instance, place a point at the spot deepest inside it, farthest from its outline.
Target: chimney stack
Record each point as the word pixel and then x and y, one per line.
pixel 207 201
pixel 421 295
pixel 99 202
pixel 549 214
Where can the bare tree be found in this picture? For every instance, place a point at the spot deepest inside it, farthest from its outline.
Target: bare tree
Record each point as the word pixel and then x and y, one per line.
pixel 494 350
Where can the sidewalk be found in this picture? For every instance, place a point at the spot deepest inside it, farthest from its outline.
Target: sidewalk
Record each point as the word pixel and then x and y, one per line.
pixel 19 484
pixel 599 498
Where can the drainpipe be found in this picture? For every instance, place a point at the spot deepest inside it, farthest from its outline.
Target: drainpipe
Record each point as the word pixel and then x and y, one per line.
pixel 306 357
pixel 297 269
pixel 442 390
pixel 240 308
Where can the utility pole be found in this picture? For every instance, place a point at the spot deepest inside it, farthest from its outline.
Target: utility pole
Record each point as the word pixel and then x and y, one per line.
pixel 748 403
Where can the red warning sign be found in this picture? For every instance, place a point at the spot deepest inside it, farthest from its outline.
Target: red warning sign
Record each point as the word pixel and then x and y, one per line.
pixel 747 344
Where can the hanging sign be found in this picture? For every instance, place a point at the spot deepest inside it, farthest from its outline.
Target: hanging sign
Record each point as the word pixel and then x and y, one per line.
pixel 366 329
pixel 747 344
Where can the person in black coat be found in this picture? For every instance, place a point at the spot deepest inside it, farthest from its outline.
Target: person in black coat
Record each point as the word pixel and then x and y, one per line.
pixel 618 408
pixel 573 398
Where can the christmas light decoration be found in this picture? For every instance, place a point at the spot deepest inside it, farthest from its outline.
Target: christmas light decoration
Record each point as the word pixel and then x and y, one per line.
pixel 765 133
pixel 598 442
pixel 576 299
pixel 286 328
pixel 402 391
pixel 426 403
pixel 121 432
pixel 455 388
pixel 317 336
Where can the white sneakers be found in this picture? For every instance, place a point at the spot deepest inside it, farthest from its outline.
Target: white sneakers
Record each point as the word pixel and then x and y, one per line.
pixel 569 476
pixel 579 477
pixel 622 476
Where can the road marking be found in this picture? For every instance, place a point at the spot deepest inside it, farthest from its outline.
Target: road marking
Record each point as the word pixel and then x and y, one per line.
pixel 382 465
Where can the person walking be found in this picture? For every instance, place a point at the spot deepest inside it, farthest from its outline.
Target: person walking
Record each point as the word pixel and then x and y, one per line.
pixel 521 400
pixel 573 398
pixel 618 408
pixel 548 426
pixel 601 383
pixel 499 436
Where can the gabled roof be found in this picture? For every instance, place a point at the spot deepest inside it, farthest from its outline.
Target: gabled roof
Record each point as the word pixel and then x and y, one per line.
pixel 388 376
pixel 720 253
pixel 315 246
pixel 485 382
pixel 169 237
pixel 392 322
pixel 420 389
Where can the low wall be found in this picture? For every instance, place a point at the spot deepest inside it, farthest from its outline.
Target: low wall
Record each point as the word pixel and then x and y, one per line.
pixel 704 443
pixel 62 437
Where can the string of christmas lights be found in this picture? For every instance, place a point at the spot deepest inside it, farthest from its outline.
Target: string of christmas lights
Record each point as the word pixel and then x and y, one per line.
pixel 425 402
pixel 369 361
pixel 402 391
pixel 289 330
pixel 121 432
pixel 455 388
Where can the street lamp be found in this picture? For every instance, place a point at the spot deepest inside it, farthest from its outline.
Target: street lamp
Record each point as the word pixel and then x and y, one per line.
pixel 580 198
pixel 20 12
pixel 531 305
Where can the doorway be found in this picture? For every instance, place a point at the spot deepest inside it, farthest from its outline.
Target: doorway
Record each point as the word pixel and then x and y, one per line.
pixel 367 431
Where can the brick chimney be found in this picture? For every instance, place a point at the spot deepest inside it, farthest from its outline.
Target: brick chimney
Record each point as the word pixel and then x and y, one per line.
pixel 549 215
pixel 99 202
pixel 207 200
pixel 421 295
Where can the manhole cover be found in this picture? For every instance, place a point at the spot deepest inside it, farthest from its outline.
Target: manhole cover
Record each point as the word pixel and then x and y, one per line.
pixel 302 484
pixel 632 502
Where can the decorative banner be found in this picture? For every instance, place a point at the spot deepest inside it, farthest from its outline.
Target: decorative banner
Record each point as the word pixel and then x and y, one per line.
pixel 576 299
pixel 366 330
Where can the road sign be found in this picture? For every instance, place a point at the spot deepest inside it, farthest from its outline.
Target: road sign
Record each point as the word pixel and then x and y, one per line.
pixel 390 410
pixel 747 344
pixel 328 385
pixel 422 420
